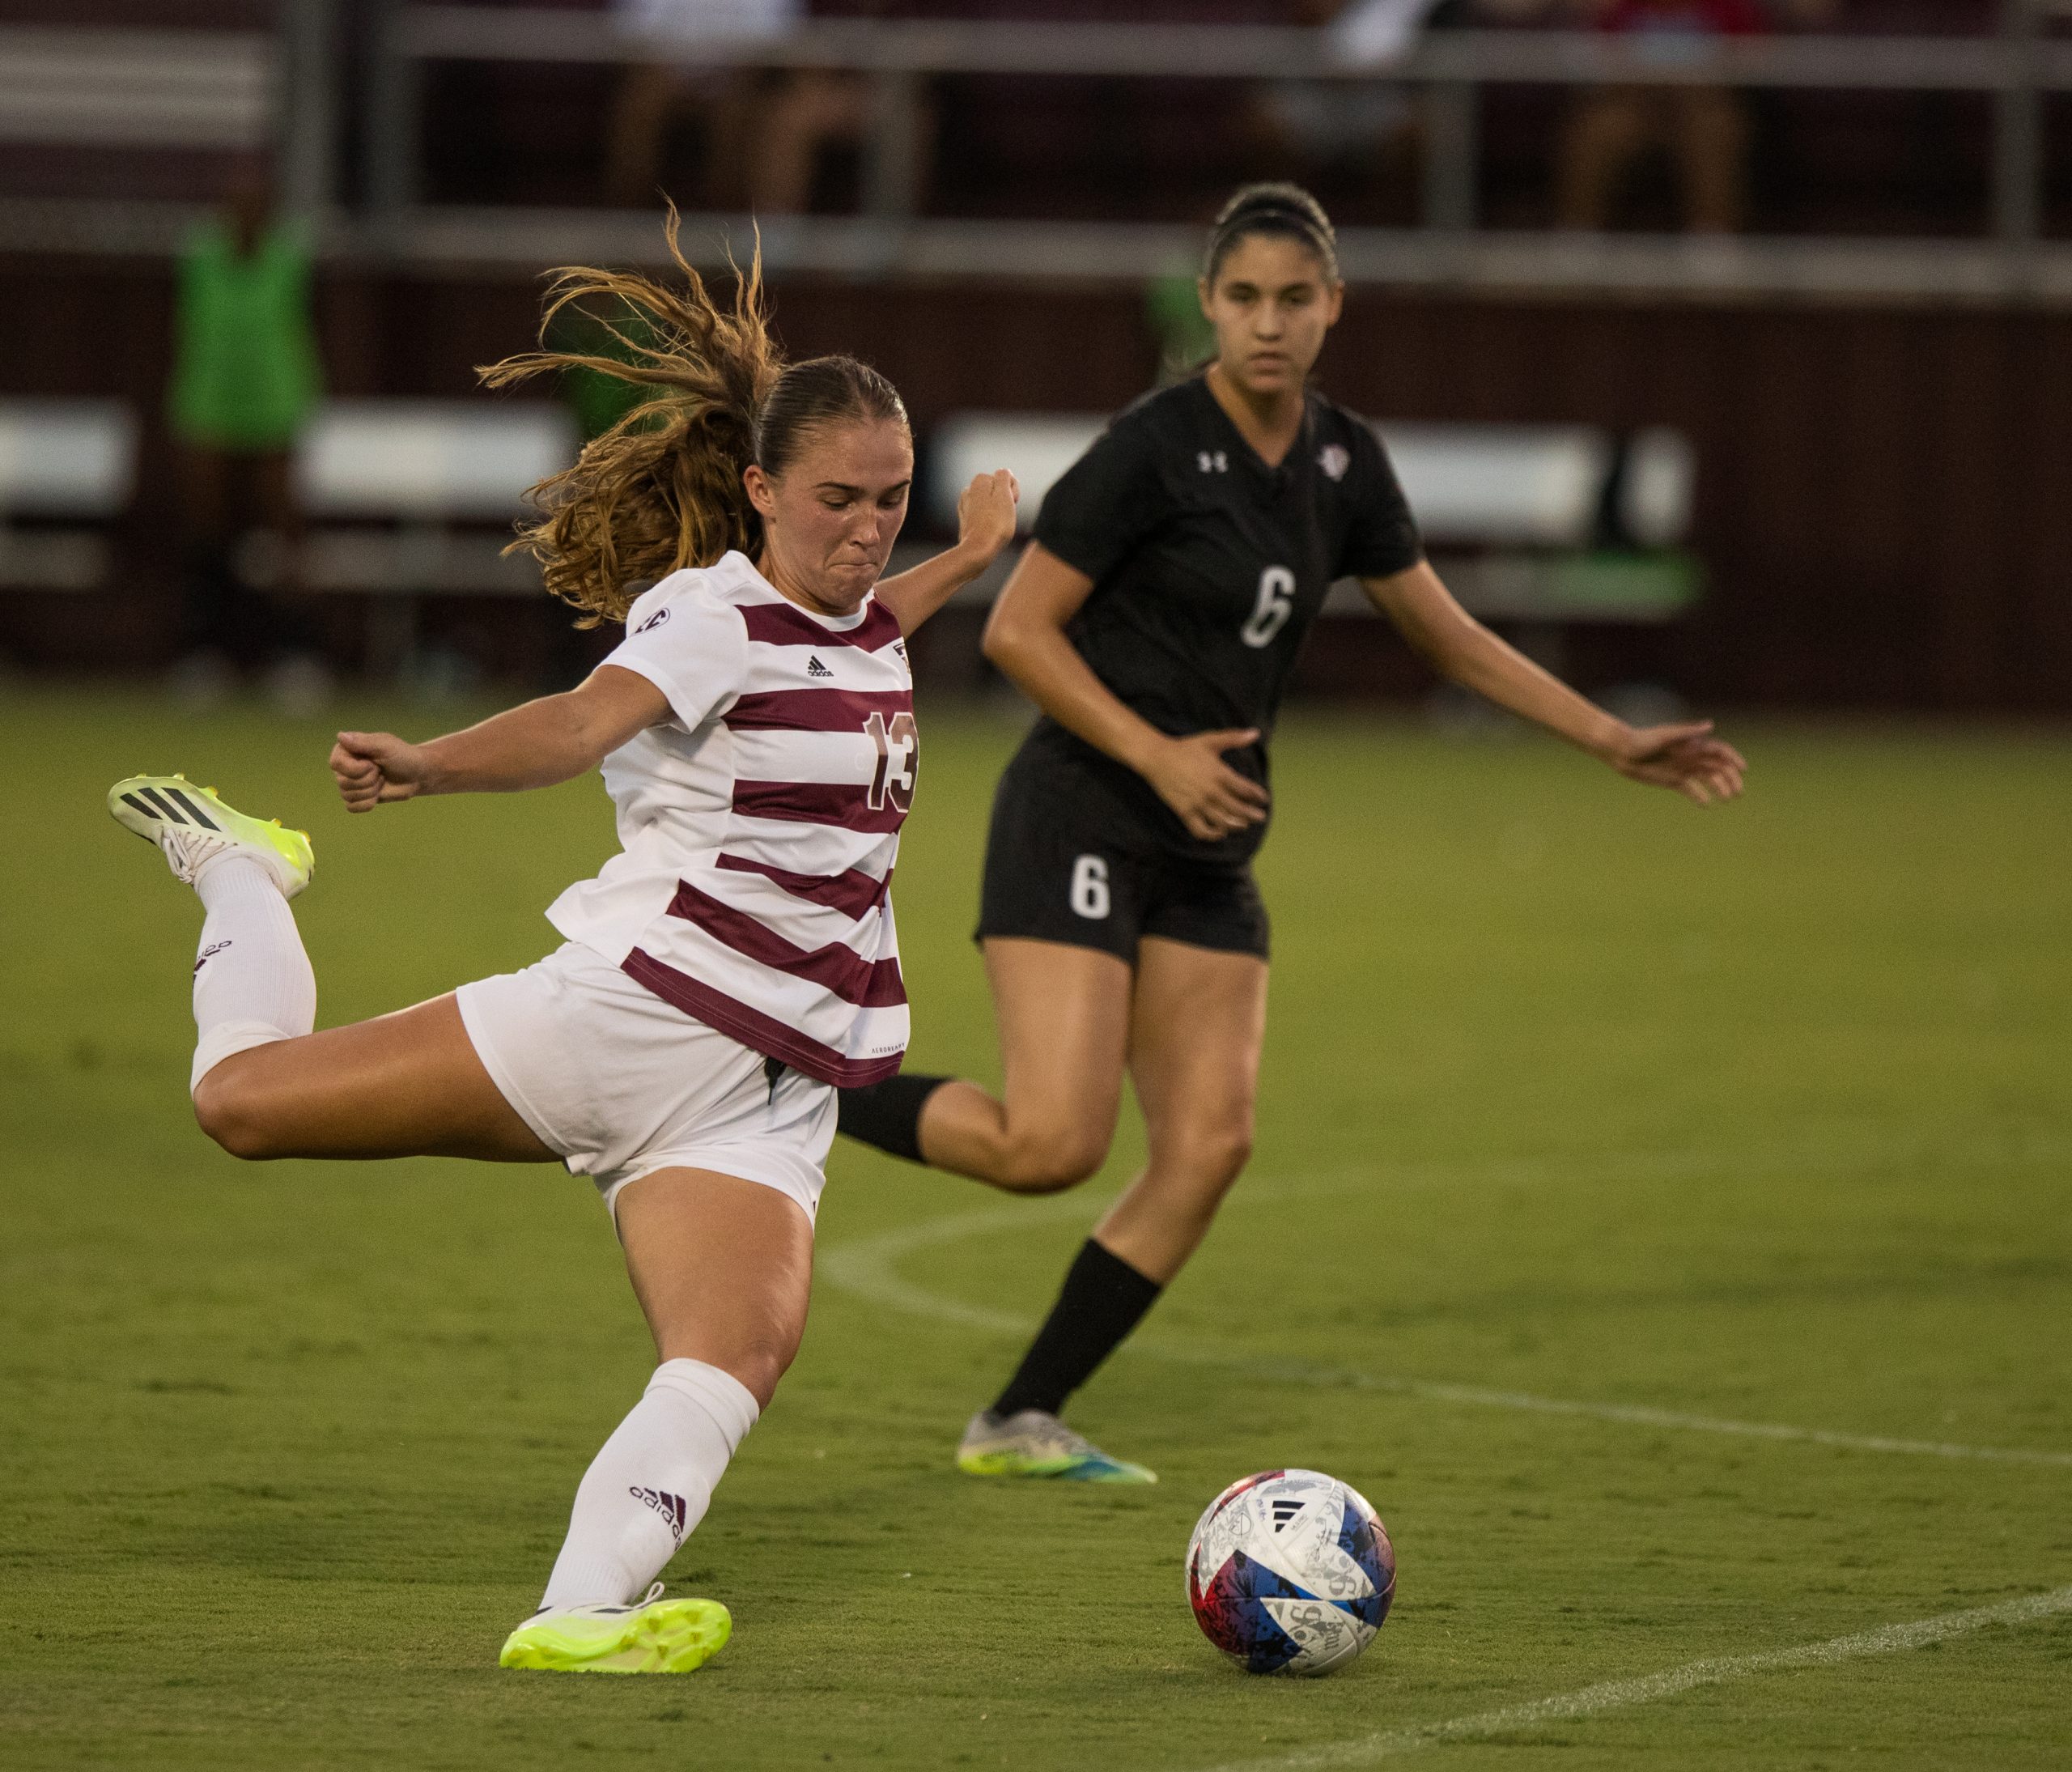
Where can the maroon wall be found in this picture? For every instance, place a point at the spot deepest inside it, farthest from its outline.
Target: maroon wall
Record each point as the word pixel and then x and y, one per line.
pixel 1881 503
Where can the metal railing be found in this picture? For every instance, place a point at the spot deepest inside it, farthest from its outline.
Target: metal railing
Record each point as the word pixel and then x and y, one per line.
pixel 2016 68
pixel 2014 71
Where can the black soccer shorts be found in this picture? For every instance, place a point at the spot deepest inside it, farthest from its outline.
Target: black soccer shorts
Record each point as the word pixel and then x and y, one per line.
pixel 1064 864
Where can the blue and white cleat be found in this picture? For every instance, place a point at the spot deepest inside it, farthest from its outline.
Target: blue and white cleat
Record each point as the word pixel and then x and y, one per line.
pixel 192 827
pixel 1035 1443
pixel 657 1636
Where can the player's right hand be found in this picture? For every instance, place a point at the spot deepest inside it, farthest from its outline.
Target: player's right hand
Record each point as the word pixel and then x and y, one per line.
pixel 1209 798
pixel 372 768
pixel 986 513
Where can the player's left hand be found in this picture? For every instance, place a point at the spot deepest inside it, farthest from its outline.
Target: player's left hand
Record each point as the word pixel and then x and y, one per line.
pixel 1688 758
pixel 985 512
pixel 377 768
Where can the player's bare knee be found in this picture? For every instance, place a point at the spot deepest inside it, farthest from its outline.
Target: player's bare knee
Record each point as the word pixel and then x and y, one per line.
pixel 1051 1160
pixel 233 1114
pixel 1210 1158
pixel 761 1363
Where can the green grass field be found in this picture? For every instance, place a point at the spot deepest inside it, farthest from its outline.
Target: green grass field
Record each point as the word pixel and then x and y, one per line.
pixel 1574 1096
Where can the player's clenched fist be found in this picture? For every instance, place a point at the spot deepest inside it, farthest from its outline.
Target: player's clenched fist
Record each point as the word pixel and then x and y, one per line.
pixel 371 767
pixel 985 511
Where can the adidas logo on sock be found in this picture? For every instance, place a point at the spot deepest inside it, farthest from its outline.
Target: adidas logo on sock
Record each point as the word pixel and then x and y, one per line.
pixel 670 1507
pixel 814 668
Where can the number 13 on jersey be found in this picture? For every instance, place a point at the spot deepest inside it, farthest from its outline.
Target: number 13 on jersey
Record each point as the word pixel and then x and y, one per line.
pixel 898 745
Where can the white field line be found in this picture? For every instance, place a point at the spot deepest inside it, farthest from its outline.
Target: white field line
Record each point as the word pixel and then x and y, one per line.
pixel 868 1268
pixel 1646 1689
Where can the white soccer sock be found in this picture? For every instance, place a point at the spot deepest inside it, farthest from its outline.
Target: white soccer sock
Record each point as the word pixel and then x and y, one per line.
pixel 651 1484
pixel 252 982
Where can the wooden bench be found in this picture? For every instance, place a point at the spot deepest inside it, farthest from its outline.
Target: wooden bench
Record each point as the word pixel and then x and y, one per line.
pixel 1540 524
pixel 68 467
pixel 410 499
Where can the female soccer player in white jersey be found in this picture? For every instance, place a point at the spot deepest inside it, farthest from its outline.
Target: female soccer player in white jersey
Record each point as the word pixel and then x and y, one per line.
pixel 723 975
pixel 1176 570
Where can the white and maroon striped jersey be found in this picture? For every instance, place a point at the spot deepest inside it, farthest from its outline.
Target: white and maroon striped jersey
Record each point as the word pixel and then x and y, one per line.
pixel 760 822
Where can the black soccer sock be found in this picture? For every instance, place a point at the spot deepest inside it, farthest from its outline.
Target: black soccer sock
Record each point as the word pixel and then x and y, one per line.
pixel 1103 1299
pixel 888 1114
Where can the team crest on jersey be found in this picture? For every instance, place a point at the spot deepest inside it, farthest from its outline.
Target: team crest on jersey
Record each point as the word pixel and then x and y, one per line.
pixel 1335 458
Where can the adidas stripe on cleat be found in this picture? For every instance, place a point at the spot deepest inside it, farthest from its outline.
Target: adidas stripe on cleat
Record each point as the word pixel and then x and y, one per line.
pixel 657 1636
pixel 192 827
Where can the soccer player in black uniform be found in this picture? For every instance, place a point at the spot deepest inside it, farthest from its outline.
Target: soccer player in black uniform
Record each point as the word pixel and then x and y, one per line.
pixel 1176 569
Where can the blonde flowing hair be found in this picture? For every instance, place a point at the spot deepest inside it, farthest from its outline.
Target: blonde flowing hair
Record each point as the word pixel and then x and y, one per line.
pixel 661 490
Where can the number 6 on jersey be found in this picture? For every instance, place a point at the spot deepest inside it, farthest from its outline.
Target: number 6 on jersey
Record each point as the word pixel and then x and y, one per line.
pixel 1276 603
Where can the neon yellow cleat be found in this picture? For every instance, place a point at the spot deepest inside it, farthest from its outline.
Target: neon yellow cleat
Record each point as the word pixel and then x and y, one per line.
pixel 1036 1444
pixel 657 1636
pixel 192 826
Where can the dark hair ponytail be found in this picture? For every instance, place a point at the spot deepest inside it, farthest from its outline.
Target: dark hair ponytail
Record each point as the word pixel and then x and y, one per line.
pixel 662 489
pixel 1284 209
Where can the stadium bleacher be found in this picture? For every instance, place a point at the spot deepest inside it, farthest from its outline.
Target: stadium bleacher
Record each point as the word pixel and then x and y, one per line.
pixel 1892 330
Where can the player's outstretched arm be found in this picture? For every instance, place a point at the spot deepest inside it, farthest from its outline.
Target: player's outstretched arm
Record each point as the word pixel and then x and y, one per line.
pixel 555 739
pixel 985 525
pixel 1686 758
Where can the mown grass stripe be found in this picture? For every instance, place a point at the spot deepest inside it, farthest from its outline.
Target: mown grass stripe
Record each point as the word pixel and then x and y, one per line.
pixel 1651 1688
pixel 866 1269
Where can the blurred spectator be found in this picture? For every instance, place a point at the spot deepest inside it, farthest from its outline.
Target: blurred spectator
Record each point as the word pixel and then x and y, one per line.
pixel 1311 124
pixel 1172 304
pixel 245 379
pixel 764 128
pixel 1703 129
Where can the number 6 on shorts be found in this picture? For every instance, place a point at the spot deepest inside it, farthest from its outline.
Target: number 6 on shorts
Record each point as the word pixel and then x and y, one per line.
pixel 1090 887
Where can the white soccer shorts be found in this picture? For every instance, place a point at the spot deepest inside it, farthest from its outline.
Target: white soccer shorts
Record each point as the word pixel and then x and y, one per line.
pixel 618 1084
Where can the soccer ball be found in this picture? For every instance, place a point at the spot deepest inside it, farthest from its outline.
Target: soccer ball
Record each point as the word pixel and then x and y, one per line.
pixel 1290 1572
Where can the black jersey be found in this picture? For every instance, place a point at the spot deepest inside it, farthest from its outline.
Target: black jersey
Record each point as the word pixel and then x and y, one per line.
pixel 1208 568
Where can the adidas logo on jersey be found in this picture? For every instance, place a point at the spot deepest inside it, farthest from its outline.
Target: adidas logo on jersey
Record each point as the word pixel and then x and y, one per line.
pixel 814 668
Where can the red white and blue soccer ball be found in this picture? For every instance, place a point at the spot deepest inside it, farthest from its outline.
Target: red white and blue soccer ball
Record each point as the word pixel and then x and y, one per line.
pixel 1290 1572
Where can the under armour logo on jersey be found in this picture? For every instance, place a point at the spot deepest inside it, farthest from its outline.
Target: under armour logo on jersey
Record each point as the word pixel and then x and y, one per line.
pixel 670 1507
pixel 656 620
pixel 1213 460
pixel 1335 459
pixel 814 668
